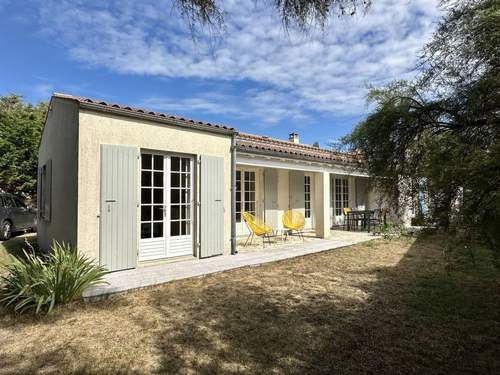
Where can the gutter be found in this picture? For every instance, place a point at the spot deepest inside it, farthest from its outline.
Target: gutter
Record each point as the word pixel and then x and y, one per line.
pixel 233 194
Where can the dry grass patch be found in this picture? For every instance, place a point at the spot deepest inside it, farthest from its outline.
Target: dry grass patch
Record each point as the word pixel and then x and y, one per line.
pixel 382 306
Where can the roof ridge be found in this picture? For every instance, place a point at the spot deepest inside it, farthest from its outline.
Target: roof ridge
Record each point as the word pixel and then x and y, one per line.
pixel 277 140
pixel 103 103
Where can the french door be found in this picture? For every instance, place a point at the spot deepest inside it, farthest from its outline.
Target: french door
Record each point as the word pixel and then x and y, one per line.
pixel 246 200
pixel 166 207
pixel 308 201
pixel 340 198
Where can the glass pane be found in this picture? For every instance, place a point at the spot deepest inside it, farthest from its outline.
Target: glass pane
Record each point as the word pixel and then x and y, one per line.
pixel 186 180
pixel 238 217
pixel 158 162
pixel 185 212
pixel 238 206
pixel 175 196
pixel 247 185
pixel 146 161
pixel 175 163
pixel 146 195
pixel 146 213
pixel 185 196
pixel 146 178
pixel 157 212
pixel 158 179
pixel 158 229
pixel 175 180
pixel 158 196
pixel 185 164
pixel 238 196
pixel 145 230
pixel 185 227
pixel 175 212
pixel 175 228
pixel 238 175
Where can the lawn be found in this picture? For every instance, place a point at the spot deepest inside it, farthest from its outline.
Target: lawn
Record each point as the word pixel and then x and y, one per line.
pixel 401 306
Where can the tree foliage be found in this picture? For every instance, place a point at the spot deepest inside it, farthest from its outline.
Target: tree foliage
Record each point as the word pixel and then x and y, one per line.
pixel 300 13
pixel 441 132
pixel 20 130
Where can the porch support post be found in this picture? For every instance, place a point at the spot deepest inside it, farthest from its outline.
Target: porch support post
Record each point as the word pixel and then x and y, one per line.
pixel 322 208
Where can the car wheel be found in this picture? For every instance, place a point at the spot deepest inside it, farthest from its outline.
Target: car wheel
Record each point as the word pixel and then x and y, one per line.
pixel 5 231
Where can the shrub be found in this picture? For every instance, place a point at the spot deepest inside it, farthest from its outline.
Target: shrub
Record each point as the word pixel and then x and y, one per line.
pixel 40 282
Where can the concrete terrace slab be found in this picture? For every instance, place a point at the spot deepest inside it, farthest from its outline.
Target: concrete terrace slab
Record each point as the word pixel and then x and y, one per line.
pixel 142 277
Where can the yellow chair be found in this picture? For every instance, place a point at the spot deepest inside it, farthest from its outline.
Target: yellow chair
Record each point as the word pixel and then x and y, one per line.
pixel 294 221
pixel 257 228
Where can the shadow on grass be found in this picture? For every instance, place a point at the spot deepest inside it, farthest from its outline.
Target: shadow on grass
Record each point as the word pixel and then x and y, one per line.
pixel 414 317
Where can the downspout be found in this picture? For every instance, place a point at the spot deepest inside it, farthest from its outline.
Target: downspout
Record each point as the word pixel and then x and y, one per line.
pixel 233 194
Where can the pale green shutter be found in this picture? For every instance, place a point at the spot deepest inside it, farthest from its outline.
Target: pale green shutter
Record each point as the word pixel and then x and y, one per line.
pixel 118 229
pixel 271 197
pixel 211 206
pixel 296 189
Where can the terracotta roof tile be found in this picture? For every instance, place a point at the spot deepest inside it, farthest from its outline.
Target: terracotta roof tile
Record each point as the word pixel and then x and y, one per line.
pixel 132 110
pixel 263 144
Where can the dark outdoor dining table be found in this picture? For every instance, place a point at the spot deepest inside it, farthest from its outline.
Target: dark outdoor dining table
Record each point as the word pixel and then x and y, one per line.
pixel 365 215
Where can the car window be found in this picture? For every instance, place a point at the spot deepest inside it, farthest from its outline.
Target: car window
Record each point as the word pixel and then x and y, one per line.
pixel 9 203
pixel 19 203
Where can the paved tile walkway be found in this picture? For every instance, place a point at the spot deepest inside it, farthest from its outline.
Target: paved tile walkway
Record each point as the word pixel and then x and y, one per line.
pixel 152 275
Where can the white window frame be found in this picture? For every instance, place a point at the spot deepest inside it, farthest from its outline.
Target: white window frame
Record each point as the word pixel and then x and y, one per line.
pixel 340 195
pixel 241 188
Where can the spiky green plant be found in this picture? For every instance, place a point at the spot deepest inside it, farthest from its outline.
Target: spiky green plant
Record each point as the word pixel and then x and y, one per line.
pixel 35 283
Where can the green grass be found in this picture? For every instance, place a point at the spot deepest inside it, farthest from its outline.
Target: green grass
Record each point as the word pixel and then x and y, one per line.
pixel 15 246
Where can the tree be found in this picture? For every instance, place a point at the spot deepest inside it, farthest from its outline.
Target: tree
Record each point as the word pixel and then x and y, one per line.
pixel 441 132
pixel 301 13
pixel 20 130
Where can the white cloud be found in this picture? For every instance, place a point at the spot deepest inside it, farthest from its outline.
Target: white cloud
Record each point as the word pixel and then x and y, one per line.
pixel 292 74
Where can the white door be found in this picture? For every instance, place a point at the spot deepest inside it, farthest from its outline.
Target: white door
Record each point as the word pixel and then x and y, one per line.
pixel 246 198
pixel 340 198
pixel 166 206
pixel 309 200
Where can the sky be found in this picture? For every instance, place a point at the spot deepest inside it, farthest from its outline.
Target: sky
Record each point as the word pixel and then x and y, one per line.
pixel 253 75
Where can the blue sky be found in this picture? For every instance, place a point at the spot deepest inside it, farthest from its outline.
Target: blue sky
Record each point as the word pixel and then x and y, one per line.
pixel 253 76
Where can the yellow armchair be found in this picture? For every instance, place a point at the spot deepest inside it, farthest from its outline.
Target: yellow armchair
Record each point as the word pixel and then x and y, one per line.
pixel 256 227
pixel 294 221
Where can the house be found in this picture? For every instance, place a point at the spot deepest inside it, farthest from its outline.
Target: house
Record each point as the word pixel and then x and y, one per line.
pixel 131 187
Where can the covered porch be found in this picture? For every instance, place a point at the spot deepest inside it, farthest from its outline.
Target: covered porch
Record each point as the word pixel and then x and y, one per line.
pixel 266 187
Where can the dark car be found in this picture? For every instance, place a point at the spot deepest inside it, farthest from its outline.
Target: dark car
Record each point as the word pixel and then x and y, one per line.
pixel 15 216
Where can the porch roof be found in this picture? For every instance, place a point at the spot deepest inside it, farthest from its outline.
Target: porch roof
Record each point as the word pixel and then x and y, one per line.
pixel 275 147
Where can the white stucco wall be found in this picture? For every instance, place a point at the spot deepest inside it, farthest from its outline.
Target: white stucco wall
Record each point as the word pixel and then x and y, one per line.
pixel 101 128
pixel 59 143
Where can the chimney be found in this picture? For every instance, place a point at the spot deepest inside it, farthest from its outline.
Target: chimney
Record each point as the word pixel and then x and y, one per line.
pixel 293 137
pixel 316 144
